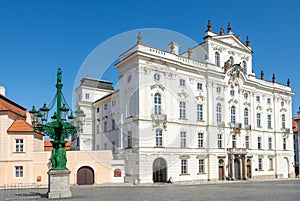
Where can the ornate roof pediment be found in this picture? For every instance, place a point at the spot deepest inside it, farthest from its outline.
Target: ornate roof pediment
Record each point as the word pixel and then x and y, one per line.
pixel 232 41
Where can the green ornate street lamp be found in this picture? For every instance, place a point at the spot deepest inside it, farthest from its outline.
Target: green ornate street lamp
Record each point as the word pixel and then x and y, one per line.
pixel 60 127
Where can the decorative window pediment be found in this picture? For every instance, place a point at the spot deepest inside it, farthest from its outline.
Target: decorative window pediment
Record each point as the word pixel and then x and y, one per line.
pixel 269 110
pixel 183 94
pixel 184 157
pixel 233 101
pixel 201 156
pixel 219 98
pixel 259 108
pixel 283 110
pixel 200 97
pixel 157 86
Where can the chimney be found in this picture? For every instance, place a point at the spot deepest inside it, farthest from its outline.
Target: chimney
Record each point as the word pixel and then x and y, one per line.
pixel 2 90
pixel 174 47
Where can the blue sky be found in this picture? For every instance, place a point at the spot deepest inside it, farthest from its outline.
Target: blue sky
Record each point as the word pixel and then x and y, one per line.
pixel 37 37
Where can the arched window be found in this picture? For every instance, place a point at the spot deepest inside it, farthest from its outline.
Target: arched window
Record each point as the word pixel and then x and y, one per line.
pixel 232 114
pixel 246 117
pixel 231 61
pixel 283 121
pixel 158 135
pixel 219 112
pixel 157 103
pixel 245 67
pixel 217 59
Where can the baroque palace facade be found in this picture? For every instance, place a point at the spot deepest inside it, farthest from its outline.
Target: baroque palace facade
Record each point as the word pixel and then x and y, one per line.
pixel 200 115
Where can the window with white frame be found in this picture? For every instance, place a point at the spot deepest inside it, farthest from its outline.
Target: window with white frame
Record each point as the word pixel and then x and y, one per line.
pixel 217 59
pixel 87 96
pixel 270 163
pixel 182 139
pixel 260 164
pixel 182 82
pixel 257 98
pixel 246 117
pixel 201 166
pixel 159 137
pixel 113 124
pixel 129 139
pixel 199 86
pixel 233 141
pixel 245 67
pixel 270 143
pixel 184 166
pixel 283 121
pixel 219 113
pixel 269 101
pixel 259 143
pixel 157 103
pixel 105 106
pixel 19 171
pixel 182 110
pixel 258 120
pixel 231 61
pixel 247 142
pixel 104 126
pixel 200 140
pixel 284 143
pixel 220 141
pixel 232 112
pixel 19 145
pixel 199 112
pixel 269 121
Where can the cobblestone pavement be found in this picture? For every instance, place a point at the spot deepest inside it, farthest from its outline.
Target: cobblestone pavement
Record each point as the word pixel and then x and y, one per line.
pixel 263 190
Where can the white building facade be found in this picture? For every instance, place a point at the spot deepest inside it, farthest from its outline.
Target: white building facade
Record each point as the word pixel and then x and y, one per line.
pixel 200 115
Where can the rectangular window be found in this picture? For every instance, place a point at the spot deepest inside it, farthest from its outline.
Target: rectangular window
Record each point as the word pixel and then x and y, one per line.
pixel 113 124
pixel 182 110
pixel 18 171
pixel 129 138
pixel 200 140
pixel 19 145
pixel 260 165
pixel 269 121
pixel 201 166
pixel 159 137
pixel 258 122
pixel 182 139
pixel 233 141
pixel 271 163
pixel 104 126
pixel 199 112
pixel 98 109
pixel 182 82
pixel 269 100
pixel 199 86
pixel 183 166
pixel 87 96
pixel 247 142
pixel 284 143
pixel 259 143
pixel 270 143
pixel 105 106
pixel 258 98
pixel 220 141
pixel 98 128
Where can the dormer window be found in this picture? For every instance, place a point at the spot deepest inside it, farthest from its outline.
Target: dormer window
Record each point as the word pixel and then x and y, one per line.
pixel 217 59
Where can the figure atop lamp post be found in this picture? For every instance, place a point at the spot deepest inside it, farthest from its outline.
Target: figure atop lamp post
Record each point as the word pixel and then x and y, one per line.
pixel 59 129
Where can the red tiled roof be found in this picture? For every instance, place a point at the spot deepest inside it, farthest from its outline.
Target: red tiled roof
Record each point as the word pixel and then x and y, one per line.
pixel 20 126
pixel 48 145
pixel 6 104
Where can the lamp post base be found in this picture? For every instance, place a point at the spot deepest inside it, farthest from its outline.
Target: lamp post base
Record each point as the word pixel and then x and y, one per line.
pixel 59 184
